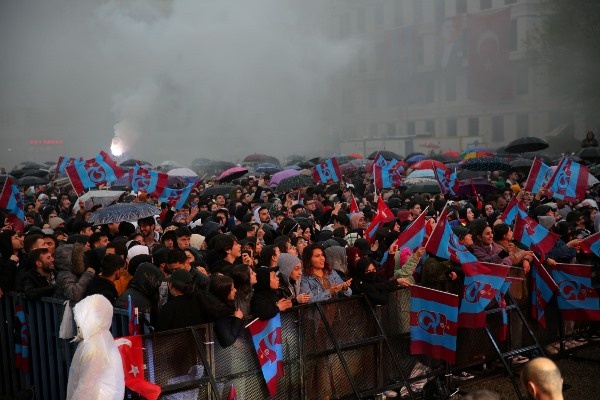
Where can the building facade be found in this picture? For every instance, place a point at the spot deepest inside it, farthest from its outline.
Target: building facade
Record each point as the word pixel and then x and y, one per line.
pixel 445 74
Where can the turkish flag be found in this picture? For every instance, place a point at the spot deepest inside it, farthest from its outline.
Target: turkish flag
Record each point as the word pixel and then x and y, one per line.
pixel 132 355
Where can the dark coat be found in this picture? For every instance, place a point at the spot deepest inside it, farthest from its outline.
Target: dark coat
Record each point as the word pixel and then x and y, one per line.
pixel 180 312
pixel 227 326
pixel 264 300
pixel 106 288
pixel 143 289
pixel 375 287
pixel 35 286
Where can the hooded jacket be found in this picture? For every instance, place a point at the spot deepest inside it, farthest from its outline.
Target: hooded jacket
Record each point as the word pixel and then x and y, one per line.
pixel 264 300
pixel 143 289
pixel 71 280
pixel 96 371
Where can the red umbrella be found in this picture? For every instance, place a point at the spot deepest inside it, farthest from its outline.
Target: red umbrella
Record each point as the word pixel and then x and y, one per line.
pixel 355 155
pixel 427 164
pixel 452 153
pixel 232 173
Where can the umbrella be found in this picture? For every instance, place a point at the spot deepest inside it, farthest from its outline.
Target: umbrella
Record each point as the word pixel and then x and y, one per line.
pixel 409 155
pixel 416 158
pixel 451 153
pixel 4 177
pixel 486 164
pixel 525 144
pixel 421 173
pixel 232 173
pixel 589 153
pixel 521 164
pixel 348 169
pixel 123 212
pixel 424 187
pixel 295 182
pixel 50 163
pixel 305 164
pixel 386 154
pixel 132 163
pixel 466 174
pixel 427 164
pixel 482 186
pixel 442 157
pixel 293 166
pixel 30 165
pixel 218 189
pixel 94 197
pixel 31 180
pixel 355 155
pixel 281 175
pixel 257 158
pixel 17 173
pixel 476 154
pixel 182 175
pixel 266 168
pixel 168 165
pixel 40 173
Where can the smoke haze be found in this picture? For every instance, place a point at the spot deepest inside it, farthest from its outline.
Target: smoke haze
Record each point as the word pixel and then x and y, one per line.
pixel 172 79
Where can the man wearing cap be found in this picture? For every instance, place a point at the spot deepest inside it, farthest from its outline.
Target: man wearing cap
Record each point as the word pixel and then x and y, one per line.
pixel 82 227
pixel 182 309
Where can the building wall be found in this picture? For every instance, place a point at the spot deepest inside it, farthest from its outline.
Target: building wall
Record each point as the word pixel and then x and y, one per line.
pixel 439 106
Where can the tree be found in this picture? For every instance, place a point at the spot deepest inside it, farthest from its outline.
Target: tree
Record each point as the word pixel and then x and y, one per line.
pixel 565 47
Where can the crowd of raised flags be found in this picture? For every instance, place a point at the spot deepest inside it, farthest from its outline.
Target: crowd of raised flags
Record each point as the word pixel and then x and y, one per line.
pixel 435 316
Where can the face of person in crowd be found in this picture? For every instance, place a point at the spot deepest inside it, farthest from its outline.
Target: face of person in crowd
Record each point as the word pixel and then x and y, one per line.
pixel 296 273
pixel 306 234
pixel 264 216
pixel 147 230
pixel 310 206
pixel 17 241
pixel 273 280
pixel 46 262
pixel 489 210
pixel 371 269
pixel 62 237
pixel 102 242
pixel 221 218
pixel 300 245
pixel 190 256
pixel 278 219
pixel 501 203
pixel 470 215
pixel 183 242
pixel 220 200
pixel 253 279
pixel 416 210
pixel 487 237
pixel 236 249
pixel 113 228
pixel 317 259
pixel 232 293
pixel 467 240
pixel 51 245
pixel 87 231
pixel 65 202
pixel 298 211
pixel 509 235
pixel 39 244
pixel 169 244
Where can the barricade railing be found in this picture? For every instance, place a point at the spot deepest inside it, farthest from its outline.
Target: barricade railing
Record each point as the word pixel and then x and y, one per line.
pixel 343 348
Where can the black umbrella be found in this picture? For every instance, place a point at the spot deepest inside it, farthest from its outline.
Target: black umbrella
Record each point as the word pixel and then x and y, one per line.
pixel 232 173
pixel 17 173
pixel 525 144
pixel 486 164
pixel 295 182
pixel 31 180
pixel 589 153
pixel 441 157
pixel 386 154
pixel 123 212
pixel 132 163
pixel 40 173
pixel 466 174
pixel 4 177
pixel 415 153
pixel 30 165
pixel 482 186
pixel 424 187
pixel 305 164
pixel 218 189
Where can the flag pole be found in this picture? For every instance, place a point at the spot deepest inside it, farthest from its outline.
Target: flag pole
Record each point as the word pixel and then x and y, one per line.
pixel 251 322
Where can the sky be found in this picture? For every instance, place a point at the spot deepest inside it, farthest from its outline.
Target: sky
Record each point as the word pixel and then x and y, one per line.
pixel 177 79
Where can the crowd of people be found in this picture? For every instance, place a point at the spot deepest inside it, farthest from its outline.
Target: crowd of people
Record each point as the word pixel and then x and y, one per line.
pixel 255 252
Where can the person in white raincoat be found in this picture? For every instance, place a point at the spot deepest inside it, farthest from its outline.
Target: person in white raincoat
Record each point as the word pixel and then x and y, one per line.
pixel 96 371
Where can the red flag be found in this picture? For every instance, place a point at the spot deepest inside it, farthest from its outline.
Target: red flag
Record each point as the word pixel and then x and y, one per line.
pixel 132 356
pixel 479 204
pixel 489 64
pixel 11 199
pixel 232 393
pixel 353 205
pixel 383 215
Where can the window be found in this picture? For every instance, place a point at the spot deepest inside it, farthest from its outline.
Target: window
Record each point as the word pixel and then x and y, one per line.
pixel 344 25
pixel 429 91
pixel 398 12
pixel 461 6
pixel 498 128
pixel 372 96
pixel 473 126
pixel 379 56
pixel 485 4
pixel 410 128
pixel 451 129
pixel 418 10
pixel 522 125
pixel 514 35
pixel 522 79
pixel 361 20
pixel 390 129
pixel 430 127
pixel 450 89
pixel 378 15
pixel 373 130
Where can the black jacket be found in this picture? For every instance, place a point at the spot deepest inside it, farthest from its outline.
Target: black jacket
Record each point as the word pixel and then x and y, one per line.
pixel 375 287
pixel 106 288
pixel 264 300
pixel 180 312
pixel 227 326
pixel 35 286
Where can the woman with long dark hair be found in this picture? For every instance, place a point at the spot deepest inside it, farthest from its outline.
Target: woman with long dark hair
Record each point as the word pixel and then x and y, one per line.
pixel 319 279
pixel 244 278
pixel 11 252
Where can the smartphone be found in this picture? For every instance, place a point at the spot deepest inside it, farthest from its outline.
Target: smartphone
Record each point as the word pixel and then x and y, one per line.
pixel 249 252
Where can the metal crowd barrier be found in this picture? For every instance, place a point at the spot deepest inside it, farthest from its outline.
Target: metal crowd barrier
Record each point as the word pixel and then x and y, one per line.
pixel 343 348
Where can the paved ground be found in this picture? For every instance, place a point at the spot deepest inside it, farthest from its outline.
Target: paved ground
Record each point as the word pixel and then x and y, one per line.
pixel 580 376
